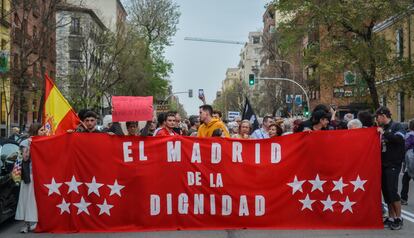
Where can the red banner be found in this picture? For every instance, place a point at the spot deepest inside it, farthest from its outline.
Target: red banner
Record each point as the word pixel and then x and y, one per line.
pixel 127 108
pixel 97 182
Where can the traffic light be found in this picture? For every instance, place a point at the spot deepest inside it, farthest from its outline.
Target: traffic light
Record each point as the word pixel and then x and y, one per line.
pixel 190 93
pixel 306 112
pixel 251 79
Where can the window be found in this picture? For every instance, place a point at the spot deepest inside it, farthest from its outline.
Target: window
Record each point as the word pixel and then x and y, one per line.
pixel 399 45
pixel 75 49
pixel 75 28
pixel 349 78
pixel 75 72
pixel 256 39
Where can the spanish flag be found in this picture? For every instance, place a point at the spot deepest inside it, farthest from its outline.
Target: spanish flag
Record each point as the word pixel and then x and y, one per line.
pixel 58 115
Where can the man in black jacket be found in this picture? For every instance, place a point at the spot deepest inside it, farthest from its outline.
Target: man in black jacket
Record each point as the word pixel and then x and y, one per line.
pixel 392 156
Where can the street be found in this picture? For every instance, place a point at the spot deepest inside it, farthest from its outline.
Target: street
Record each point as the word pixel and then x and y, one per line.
pixel 11 229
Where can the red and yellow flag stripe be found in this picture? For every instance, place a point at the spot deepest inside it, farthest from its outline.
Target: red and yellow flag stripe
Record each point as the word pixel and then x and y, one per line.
pixel 58 114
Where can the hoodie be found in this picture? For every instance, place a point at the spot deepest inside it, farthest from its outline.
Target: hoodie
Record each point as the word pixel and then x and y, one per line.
pixel 207 130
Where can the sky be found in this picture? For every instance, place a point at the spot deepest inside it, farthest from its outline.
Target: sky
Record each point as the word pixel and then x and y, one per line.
pixel 203 65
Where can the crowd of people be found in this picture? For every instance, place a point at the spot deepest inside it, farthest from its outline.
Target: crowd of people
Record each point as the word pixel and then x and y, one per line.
pixel 396 140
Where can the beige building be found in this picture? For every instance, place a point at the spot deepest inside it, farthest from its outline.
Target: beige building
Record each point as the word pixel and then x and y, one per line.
pixel 250 57
pixel 400 31
pixel 232 77
pixel 110 12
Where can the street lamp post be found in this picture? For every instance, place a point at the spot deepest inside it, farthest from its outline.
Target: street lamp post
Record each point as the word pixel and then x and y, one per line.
pixel 292 81
pixel 293 78
pixel 256 71
pixel 174 93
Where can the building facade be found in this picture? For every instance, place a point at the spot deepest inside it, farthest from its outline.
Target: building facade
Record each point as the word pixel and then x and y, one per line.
pixel 232 78
pixel 250 56
pixel 5 29
pixel 32 55
pixel 346 92
pixel 76 46
pixel 111 12
pixel 400 31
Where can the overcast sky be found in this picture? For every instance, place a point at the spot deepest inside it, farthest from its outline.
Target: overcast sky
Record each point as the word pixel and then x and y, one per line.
pixel 202 64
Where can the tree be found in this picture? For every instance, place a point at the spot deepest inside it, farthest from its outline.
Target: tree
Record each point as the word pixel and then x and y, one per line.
pixel 347 39
pixel 140 74
pixel 156 21
pixel 278 61
pixel 33 28
pixel 231 99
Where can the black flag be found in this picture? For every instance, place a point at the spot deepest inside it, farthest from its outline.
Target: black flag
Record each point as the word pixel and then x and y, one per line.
pixel 248 114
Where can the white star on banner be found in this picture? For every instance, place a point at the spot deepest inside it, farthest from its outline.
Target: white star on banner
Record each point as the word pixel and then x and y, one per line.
pixel 339 185
pixel 296 185
pixel 93 187
pixel 82 206
pixel 53 187
pixel 64 207
pixel 347 205
pixel 104 208
pixel 317 183
pixel 116 188
pixel 327 204
pixel 73 185
pixel 307 203
pixel 359 184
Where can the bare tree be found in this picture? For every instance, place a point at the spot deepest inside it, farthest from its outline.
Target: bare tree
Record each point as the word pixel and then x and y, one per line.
pixel 33 53
pixel 278 62
pixel 96 69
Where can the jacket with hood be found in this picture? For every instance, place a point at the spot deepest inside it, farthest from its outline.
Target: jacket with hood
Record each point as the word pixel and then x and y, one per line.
pixel 207 130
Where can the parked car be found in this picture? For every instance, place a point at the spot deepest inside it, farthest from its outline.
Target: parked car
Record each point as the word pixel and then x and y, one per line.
pixel 9 189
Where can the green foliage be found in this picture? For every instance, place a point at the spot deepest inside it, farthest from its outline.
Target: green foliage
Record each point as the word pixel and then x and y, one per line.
pixel 341 36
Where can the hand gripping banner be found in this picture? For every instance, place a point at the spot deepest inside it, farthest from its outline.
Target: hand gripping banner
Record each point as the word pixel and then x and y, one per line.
pixel 103 183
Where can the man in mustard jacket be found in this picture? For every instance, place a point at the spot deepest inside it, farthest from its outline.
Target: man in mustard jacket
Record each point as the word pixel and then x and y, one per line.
pixel 210 125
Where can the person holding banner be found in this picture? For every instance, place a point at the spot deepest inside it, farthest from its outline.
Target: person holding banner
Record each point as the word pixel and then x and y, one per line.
pixel 89 123
pixel 160 123
pixel 263 133
pixel 168 130
pixel 26 206
pixel 275 130
pixel 392 156
pixel 209 123
pixel 132 128
pixel 244 130
pixel 320 121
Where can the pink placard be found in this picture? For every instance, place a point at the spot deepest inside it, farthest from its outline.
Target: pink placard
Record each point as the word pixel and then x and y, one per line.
pixel 127 108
